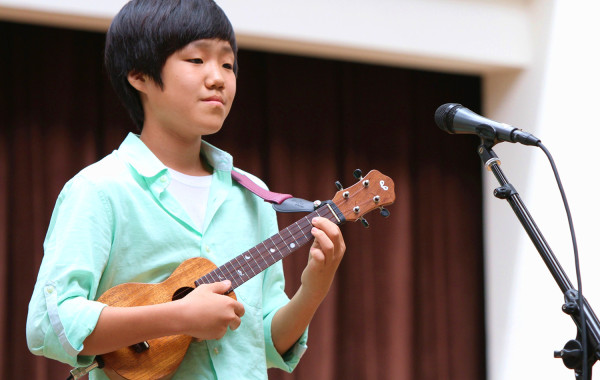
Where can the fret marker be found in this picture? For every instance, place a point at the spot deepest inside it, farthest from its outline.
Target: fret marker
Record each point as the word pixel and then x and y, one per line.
pixel 240 272
pixel 247 257
pixel 293 245
pixel 272 250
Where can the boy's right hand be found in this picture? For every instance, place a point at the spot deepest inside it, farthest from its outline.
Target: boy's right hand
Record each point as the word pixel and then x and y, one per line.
pixel 206 312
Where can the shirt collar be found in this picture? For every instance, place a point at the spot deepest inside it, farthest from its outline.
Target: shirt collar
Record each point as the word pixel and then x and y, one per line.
pixel 217 158
pixel 137 154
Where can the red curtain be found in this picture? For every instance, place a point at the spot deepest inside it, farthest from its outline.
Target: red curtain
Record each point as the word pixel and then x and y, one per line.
pixel 407 302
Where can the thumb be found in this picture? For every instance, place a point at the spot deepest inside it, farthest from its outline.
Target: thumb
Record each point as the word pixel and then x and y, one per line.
pixel 220 287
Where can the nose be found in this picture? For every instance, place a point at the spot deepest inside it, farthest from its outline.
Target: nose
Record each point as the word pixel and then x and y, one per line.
pixel 214 76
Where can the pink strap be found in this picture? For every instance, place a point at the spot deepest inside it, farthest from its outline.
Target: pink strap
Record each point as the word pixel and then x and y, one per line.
pixel 267 195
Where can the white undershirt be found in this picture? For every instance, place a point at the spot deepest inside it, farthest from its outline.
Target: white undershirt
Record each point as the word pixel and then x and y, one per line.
pixel 192 192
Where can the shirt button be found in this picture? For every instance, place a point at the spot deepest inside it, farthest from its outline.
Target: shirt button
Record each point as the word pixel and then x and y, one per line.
pixel 216 350
pixel 49 289
pixel 207 249
pixel 163 179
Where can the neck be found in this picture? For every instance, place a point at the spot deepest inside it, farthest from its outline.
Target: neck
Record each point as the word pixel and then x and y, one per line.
pixel 176 152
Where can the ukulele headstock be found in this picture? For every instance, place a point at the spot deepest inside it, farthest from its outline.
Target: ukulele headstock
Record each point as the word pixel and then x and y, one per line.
pixel 373 191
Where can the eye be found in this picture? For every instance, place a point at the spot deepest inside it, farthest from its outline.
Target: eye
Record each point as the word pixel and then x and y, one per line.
pixel 228 66
pixel 196 60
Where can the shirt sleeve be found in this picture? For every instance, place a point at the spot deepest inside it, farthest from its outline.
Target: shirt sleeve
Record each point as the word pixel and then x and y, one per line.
pixel 273 287
pixel 274 297
pixel 62 311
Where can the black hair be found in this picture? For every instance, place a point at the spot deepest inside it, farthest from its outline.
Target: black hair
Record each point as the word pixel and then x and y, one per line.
pixel 146 32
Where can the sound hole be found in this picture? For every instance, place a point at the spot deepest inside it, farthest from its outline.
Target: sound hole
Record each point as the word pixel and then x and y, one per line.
pixel 182 292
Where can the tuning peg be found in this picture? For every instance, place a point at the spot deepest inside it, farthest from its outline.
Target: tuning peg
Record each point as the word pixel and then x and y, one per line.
pixel 384 212
pixel 338 184
pixel 357 174
pixel 364 222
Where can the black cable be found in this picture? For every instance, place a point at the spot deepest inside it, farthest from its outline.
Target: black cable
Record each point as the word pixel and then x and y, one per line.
pixel 577 270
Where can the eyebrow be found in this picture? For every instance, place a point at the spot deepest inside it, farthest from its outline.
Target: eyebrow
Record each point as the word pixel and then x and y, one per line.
pixel 226 48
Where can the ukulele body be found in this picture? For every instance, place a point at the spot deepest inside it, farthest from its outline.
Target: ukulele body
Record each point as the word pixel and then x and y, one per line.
pixel 161 359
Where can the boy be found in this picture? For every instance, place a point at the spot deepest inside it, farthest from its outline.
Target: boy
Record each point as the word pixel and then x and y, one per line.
pixel 164 197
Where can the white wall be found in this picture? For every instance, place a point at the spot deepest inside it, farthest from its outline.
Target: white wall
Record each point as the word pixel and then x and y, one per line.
pixel 554 98
pixel 433 33
pixel 538 61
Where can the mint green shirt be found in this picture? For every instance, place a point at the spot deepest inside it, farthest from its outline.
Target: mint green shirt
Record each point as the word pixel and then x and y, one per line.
pixel 115 222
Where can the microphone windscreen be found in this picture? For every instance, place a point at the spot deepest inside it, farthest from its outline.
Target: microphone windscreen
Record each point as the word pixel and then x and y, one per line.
pixel 444 116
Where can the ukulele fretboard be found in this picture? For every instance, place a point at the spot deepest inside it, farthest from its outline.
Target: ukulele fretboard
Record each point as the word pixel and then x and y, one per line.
pixel 258 258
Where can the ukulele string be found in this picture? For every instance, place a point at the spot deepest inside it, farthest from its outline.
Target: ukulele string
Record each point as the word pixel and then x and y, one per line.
pixel 250 267
pixel 254 267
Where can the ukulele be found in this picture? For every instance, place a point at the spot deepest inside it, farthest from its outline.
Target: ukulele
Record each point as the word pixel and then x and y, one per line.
pixel 159 358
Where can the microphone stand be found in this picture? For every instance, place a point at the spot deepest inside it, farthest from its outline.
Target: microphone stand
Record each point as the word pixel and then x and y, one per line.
pixel 573 352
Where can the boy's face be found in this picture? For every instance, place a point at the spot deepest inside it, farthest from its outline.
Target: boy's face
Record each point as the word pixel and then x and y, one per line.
pixel 198 90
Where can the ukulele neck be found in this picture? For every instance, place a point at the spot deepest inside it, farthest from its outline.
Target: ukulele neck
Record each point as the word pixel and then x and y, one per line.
pixel 258 258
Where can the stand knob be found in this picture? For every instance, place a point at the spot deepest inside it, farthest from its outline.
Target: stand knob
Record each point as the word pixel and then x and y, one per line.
pixel 504 192
pixel 501 193
pixel 570 308
pixel 571 354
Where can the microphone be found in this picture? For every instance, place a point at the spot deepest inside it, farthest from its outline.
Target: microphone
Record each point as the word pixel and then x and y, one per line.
pixel 454 118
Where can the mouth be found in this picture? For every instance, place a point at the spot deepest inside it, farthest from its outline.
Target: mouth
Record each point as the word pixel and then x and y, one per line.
pixel 214 99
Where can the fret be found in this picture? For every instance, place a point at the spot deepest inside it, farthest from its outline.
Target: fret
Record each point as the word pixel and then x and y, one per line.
pixel 220 274
pixel 270 251
pixel 258 254
pixel 240 270
pixel 247 257
pixel 212 277
pixel 300 229
pixel 233 267
pixel 292 244
pixel 306 226
pixel 275 247
pixel 283 244
pixel 247 264
pixel 237 271
pixel 209 278
pixel 202 281
pixel 323 211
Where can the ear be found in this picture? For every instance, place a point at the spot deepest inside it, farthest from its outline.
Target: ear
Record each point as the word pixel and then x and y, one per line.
pixel 138 80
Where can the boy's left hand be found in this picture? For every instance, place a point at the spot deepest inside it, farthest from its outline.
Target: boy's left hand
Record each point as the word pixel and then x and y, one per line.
pixel 324 257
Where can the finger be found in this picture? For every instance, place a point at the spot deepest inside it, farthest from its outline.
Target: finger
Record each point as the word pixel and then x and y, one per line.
pixel 235 323
pixel 317 255
pixel 219 287
pixel 239 309
pixel 322 240
pixel 331 229
pixel 220 333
